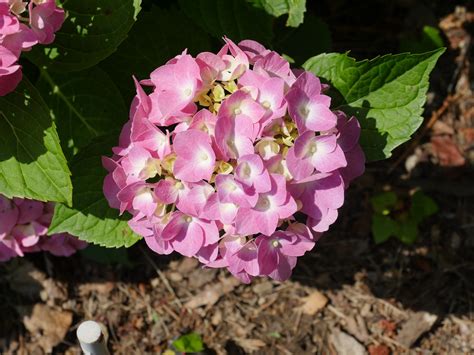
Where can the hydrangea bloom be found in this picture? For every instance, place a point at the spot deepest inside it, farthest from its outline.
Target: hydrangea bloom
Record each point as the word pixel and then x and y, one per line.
pixel 24 227
pixel 22 25
pixel 235 159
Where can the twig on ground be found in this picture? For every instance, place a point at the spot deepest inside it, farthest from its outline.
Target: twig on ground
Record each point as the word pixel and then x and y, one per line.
pixel 162 277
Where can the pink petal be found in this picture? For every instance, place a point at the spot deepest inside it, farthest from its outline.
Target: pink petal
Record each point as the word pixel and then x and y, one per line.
pixel 195 161
pixel 30 210
pixel 308 83
pixel 310 113
pixel 189 243
pixel 267 255
pixel 169 190
pixel 193 200
pixel 322 225
pixel 250 221
pixel 349 131
pixel 232 191
pixel 245 260
pixel 328 156
pixel 300 168
pixel 355 165
pixel 284 269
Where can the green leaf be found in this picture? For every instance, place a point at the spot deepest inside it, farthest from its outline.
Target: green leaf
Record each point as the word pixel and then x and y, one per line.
pixel 190 343
pixel 152 42
pixel 32 164
pixel 91 32
pixel 383 227
pixel 235 19
pixel 386 94
pixel 294 8
pixel 294 42
pixel 422 206
pixel 408 232
pixel 91 219
pixel 85 105
pixel 382 202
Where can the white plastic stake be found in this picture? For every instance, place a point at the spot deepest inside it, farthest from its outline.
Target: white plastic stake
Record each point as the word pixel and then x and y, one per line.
pixel 91 338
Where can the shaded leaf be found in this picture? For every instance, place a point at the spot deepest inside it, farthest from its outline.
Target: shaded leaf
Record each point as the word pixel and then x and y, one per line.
pixel 85 105
pixel 383 227
pixel 235 19
pixel 422 206
pixel 295 9
pixel 151 43
pixel 386 94
pixel 408 231
pixel 381 203
pixel 294 42
pixel 32 164
pixel 91 219
pixel 91 32
pixel 429 40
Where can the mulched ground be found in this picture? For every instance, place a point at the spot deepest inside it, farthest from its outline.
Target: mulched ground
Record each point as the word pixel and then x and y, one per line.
pixel 349 296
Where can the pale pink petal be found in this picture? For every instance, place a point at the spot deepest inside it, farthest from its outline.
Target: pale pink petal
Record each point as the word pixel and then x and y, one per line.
pixel 190 242
pixel 195 161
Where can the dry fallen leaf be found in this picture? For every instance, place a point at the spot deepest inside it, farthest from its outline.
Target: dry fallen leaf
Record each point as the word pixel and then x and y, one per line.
pixel 211 294
pixel 48 325
pixel 414 327
pixel 99 287
pixel 313 303
pixel 187 265
pixel 356 326
pixel 344 344
pixel 447 152
pixel 250 345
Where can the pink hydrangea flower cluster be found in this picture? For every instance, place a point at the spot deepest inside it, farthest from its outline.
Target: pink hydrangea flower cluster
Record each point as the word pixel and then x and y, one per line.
pixel 22 25
pixel 24 227
pixel 235 159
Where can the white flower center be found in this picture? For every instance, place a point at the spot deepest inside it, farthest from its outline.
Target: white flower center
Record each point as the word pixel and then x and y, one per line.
pixel 246 171
pixel 304 111
pixel 313 148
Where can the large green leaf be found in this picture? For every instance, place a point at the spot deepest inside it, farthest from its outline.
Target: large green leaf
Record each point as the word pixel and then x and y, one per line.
pixel 235 19
pixel 152 42
pixel 386 94
pixel 85 105
pixel 294 8
pixel 91 219
pixel 92 31
pixel 32 164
